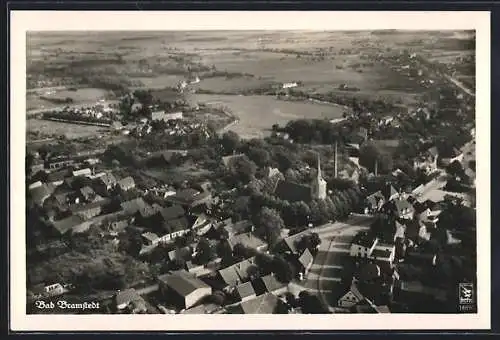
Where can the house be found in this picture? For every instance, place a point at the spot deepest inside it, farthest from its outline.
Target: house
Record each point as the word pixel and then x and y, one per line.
pixel 383 254
pixel 174 228
pixel 271 172
pixel 374 202
pixel 183 288
pixel 399 208
pixel 195 269
pixel 272 285
pixel 150 238
pixel 240 227
pixel 248 240
pixel 41 193
pixel 57 178
pixel 238 272
pixel 105 183
pixel 184 254
pixel 362 245
pixel 133 206
pixel 87 211
pixel 245 291
pixel 201 225
pixel 262 304
pixel 125 184
pixel 35 185
pixel 69 223
pixel 305 262
pixel 428 161
pixel 454 155
pixel 190 198
pixel 130 301
pixel 57 164
pixel 87 194
pixel 82 172
pixel 289 85
pixel 351 298
pixel 162 115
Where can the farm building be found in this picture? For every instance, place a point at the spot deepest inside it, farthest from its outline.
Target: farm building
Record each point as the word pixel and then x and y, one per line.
pixel 183 288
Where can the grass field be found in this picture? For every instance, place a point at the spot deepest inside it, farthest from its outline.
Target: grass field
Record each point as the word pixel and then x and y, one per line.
pixel 258 113
pixel 84 96
pixel 71 131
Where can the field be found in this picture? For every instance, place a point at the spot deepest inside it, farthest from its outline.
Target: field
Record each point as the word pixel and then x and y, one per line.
pixel 48 99
pixel 257 114
pixel 239 61
pixel 71 131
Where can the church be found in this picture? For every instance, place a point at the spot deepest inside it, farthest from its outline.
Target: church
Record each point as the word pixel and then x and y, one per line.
pixel 295 192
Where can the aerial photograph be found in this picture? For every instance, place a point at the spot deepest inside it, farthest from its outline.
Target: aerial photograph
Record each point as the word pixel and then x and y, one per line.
pixel 250 172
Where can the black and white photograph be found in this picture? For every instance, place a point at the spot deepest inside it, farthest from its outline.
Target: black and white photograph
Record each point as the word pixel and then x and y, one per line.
pixel 252 170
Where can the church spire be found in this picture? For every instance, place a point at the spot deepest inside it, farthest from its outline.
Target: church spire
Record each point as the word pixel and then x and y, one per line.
pixel 319 167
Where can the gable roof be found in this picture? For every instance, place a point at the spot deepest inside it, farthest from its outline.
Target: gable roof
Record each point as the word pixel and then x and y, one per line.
pixel 354 291
pixel 262 304
pixel 293 192
pixel 401 205
pixel 41 193
pixel 93 205
pixel 182 282
pixel 245 290
pixel 127 296
pixel 133 206
pixel 249 240
pixel 238 272
pixel 238 227
pixel 389 191
pixel 66 224
pixel 306 258
pixel 56 176
pixel 179 253
pixel 86 191
pixel 82 172
pixel 127 182
pixel 271 283
pixel 177 224
pixel 173 212
pixel 108 179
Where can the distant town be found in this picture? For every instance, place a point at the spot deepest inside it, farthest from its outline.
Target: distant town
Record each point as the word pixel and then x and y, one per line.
pixel 147 201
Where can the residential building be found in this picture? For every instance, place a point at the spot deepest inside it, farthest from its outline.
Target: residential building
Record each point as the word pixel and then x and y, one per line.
pixel 374 202
pixel 129 301
pixel 262 304
pixel 390 193
pixel 245 291
pixel 362 245
pixel 183 288
pixel 190 198
pixel 162 115
pixel 399 208
pixel 63 226
pixel 238 272
pixel 57 178
pixel 428 161
pixel 125 184
pixel 272 285
pixel 351 298
pixel 57 164
pixel 41 193
pixel 383 254
pixel 105 183
pixel 184 254
pixel 87 211
pixel 228 160
pixel 248 240
pixel 87 194
pixel 289 85
pixel 133 206
pixel 174 228
pixel 35 185
pixel 150 238
pixel 82 172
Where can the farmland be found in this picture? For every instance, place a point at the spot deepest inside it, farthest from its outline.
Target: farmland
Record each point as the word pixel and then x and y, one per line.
pixel 108 64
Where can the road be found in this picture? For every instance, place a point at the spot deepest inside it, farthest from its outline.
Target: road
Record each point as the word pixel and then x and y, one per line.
pixel 461 86
pixel 324 277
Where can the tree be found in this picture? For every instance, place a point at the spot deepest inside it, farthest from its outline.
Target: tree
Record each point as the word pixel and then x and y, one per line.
pixel 311 304
pixel 218 297
pixel 204 251
pixel 259 156
pixel 224 252
pixel 455 169
pixel 244 169
pixel 132 243
pixel 270 225
pixel 371 157
pixel 282 269
pixel 230 141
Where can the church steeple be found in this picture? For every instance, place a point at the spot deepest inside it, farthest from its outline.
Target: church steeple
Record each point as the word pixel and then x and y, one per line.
pixel 318 185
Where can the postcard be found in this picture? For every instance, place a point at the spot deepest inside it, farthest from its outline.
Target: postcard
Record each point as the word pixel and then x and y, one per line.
pixel 308 170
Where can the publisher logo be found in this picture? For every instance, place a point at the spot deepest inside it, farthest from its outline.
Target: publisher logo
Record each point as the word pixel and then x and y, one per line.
pixel 466 293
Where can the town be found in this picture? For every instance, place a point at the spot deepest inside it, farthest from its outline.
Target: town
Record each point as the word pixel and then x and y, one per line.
pixel 169 210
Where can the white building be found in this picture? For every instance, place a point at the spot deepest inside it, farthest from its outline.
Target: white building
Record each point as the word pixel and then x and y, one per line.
pixel 289 85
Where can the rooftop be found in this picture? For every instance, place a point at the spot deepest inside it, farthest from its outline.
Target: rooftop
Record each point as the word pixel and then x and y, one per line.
pixel 262 304
pixel 182 282
pixel 271 283
pixel 249 240
pixel 68 223
pixel 245 290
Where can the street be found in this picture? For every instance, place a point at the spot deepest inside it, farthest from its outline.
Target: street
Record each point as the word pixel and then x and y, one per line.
pixel 324 277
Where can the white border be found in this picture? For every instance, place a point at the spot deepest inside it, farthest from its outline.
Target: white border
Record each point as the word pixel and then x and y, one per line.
pixel 22 21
